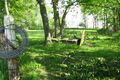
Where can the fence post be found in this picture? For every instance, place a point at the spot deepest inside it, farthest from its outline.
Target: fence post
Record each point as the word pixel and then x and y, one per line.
pixel 13 70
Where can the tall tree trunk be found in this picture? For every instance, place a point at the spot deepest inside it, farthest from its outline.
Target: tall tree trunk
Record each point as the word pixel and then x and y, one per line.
pixel 56 19
pixel 45 20
pixel 62 29
pixel 63 20
pixel 59 27
pixel 118 14
pixel 119 18
pixel 102 23
pixel 114 19
pixel 106 21
pixel 85 21
pixel 95 21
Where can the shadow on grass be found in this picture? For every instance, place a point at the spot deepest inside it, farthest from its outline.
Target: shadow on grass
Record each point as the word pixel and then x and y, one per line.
pixel 96 59
pixel 3 70
pixel 51 62
pixel 83 64
pixel 91 65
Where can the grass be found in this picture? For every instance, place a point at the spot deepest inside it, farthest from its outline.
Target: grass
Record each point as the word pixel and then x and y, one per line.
pixel 97 59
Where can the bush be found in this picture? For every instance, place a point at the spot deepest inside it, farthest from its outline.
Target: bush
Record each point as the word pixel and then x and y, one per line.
pixel 107 31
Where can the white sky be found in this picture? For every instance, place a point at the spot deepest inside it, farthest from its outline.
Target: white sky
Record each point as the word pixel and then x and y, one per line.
pixel 73 18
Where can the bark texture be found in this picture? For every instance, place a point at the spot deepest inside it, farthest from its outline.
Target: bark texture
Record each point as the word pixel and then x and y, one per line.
pixel 63 20
pixel 45 20
pixel 59 27
pixel 56 19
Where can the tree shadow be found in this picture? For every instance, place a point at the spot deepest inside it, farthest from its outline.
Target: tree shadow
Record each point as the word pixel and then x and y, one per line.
pixel 92 65
pixel 100 64
pixel 57 65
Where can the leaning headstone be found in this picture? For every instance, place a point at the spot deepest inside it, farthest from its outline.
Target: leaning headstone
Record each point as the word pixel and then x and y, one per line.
pixel 82 37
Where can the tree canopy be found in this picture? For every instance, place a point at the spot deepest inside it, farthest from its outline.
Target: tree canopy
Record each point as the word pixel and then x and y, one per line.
pixel 107 10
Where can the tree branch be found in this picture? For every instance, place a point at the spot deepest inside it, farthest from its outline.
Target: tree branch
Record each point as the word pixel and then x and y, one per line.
pixel 6 7
pixel 89 4
pixel 66 11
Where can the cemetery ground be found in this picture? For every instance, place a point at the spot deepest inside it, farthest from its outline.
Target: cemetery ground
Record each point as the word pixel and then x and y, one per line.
pixel 97 59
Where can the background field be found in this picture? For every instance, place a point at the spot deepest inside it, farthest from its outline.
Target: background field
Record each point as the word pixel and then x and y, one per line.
pixel 98 58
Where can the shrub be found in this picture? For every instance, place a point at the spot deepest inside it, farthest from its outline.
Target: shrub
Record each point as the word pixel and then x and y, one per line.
pixel 107 31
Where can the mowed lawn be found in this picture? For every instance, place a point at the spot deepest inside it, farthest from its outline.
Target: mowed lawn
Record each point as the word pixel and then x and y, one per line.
pixel 97 59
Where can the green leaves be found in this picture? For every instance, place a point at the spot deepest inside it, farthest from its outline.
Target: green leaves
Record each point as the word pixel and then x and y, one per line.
pixel 101 8
pixel 23 10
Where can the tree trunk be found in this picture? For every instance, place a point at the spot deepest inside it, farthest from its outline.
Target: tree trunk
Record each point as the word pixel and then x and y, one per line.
pixel 118 15
pixel 106 21
pixel 56 19
pixel 114 19
pixel 59 27
pixel 95 19
pixel 85 21
pixel 45 20
pixel 63 21
pixel 62 30
pixel 93 24
pixel 119 18
pixel 10 35
pixel 114 22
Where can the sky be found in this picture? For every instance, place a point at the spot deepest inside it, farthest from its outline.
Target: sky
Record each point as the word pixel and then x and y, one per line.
pixel 75 16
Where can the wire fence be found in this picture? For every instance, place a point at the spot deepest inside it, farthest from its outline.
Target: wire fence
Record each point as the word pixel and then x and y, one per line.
pixel 18 51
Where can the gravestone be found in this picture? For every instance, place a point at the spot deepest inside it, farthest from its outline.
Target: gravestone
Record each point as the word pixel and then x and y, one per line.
pixel 82 37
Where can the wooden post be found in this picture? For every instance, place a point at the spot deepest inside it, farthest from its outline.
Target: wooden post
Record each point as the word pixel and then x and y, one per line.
pixel 10 35
pixel 82 37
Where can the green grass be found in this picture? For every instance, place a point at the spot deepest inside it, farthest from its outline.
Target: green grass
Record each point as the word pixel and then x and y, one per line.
pixel 97 59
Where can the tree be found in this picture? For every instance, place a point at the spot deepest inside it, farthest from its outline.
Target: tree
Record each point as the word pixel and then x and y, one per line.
pixel 59 25
pixel 25 12
pixel 45 20
pixel 95 21
pixel 104 10
pixel 56 18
